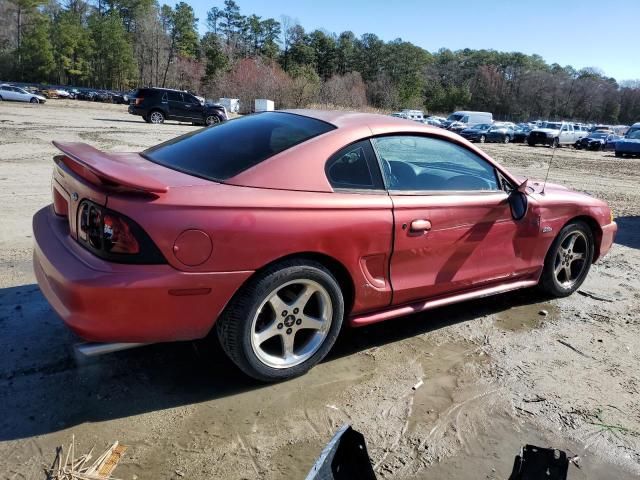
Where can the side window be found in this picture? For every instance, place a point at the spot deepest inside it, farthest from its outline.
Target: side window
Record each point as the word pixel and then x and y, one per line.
pixel 430 164
pixel 354 167
pixel 191 99
pixel 174 96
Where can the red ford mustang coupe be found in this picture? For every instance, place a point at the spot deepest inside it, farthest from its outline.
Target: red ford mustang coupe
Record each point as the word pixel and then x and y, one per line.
pixel 277 229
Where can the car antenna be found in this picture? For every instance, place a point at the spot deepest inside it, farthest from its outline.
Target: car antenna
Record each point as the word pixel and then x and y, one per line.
pixel 554 145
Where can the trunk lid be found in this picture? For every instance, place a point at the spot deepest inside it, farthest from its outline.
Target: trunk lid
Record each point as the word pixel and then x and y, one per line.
pixel 83 172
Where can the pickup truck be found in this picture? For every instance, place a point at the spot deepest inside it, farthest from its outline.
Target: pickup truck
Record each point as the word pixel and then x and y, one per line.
pixel 555 134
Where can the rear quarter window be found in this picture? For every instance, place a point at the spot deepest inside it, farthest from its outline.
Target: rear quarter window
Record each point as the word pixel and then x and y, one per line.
pixel 227 149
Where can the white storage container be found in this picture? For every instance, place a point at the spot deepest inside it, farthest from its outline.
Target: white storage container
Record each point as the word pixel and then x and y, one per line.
pixel 231 104
pixel 263 105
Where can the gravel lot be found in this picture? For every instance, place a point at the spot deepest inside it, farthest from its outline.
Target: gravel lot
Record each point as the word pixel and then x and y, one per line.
pixel 497 374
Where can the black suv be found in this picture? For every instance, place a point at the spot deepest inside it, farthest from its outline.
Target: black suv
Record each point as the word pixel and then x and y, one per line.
pixel 156 105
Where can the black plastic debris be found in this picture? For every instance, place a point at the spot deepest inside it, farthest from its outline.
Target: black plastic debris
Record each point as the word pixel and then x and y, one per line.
pixel 344 457
pixel 536 463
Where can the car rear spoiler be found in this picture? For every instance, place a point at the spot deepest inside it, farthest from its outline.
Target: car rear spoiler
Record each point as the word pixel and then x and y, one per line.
pixel 117 171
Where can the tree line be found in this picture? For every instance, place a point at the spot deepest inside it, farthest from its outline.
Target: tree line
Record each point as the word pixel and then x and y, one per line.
pixel 121 44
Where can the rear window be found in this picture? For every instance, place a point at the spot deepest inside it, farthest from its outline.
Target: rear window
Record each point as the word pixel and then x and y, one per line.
pixel 227 149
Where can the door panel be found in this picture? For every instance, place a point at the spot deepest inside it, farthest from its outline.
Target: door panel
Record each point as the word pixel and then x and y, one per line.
pixel 472 241
pixel 177 110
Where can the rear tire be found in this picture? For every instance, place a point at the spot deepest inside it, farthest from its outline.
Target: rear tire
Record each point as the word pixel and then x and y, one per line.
pixel 619 154
pixel 298 301
pixel 531 144
pixel 568 260
pixel 156 116
pixel 555 143
pixel 507 139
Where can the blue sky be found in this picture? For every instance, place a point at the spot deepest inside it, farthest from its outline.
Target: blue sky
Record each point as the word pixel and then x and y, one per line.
pixel 581 33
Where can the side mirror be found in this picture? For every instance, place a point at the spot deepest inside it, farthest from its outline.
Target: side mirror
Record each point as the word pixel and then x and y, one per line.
pixel 518 203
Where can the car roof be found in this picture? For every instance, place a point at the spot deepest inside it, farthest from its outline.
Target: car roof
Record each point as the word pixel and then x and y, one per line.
pixel 285 171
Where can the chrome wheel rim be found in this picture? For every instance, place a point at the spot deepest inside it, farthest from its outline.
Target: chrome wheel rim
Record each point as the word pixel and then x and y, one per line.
pixel 482 138
pixel 212 120
pixel 571 259
pixel 156 117
pixel 291 323
pixel 506 139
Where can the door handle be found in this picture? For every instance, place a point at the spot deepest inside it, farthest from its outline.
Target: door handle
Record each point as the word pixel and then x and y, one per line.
pixel 420 226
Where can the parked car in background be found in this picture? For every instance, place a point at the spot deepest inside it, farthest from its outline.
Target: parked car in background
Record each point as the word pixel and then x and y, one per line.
pixel 415 115
pixel 553 134
pixel 500 133
pixel 17 94
pixel 458 121
pixel 630 144
pixel 477 133
pixel 434 122
pixel 156 105
pixel 119 98
pixel 521 132
pixel 598 140
pixel 275 230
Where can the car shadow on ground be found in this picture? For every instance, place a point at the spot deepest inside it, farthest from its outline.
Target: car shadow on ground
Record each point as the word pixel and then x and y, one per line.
pixel 45 387
pixel 628 231
pixel 141 121
pixel 119 121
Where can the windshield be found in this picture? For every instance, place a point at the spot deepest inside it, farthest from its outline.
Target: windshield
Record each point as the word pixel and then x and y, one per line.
pixel 599 135
pixel 221 152
pixel 551 125
pixel 455 117
pixel 634 134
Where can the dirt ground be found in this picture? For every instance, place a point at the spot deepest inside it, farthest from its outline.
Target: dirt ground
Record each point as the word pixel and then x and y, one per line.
pixel 497 373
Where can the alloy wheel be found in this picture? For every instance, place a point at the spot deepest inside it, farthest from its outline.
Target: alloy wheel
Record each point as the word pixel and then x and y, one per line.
pixel 482 138
pixel 212 120
pixel 291 324
pixel 156 117
pixel 570 261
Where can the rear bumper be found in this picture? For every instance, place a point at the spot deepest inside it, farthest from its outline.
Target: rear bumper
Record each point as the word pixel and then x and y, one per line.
pixel 608 236
pixel 106 302
pixel 136 111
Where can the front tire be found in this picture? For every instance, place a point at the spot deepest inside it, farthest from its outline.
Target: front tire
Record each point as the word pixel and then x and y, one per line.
pixel 507 139
pixel 34 100
pixel 283 322
pixel 568 260
pixel 211 120
pixel 483 139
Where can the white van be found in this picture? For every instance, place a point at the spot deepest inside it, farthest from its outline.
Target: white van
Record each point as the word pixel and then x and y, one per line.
pixel 463 119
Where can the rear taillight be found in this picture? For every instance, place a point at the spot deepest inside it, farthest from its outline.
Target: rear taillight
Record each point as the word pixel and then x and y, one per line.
pixel 138 100
pixel 60 204
pixel 115 237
